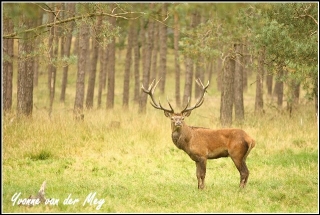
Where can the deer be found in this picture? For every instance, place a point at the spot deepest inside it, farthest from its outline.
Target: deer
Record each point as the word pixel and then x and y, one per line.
pixel 201 143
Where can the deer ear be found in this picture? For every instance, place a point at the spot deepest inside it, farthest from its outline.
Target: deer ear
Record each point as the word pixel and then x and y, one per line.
pixel 167 114
pixel 187 113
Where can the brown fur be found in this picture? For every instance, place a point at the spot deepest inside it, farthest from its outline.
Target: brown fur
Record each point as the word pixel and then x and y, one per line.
pixel 203 143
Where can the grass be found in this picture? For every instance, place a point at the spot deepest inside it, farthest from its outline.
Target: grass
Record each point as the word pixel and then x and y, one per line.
pixel 135 167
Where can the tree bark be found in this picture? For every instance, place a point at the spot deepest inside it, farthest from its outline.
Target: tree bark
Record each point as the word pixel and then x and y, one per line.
pixel 154 59
pixel 278 89
pixel 238 84
pixel 136 54
pixel 7 66
pixel 66 52
pixel 111 68
pixel 227 93
pixel 188 81
pixel 52 69
pixel 259 83
pixel 103 73
pixel 163 49
pixel 82 61
pixel 93 65
pixel 146 68
pixel 126 80
pixel 25 72
pixel 176 58
pixel 269 83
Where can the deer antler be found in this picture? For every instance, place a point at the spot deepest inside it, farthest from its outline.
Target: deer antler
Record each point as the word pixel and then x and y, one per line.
pixel 150 92
pixel 200 100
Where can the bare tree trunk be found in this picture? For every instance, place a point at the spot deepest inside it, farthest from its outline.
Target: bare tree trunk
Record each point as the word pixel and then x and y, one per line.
pixel 238 84
pixel 7 66
pixel 25 72
pixel 259 83
pixel 188 81
pixel 227 93
pixel 93 64
pixel 53 47
pixel 176 57
pixel 154 69
pixel 126 80
pixel 189 65
pixel 269 83
pixel 82 61
pixel 66 52
pixel 293 95
pixel 36 58
pixel 163 49
pixel 136 53
pixel 146 69
pixel 315 92
pixel 111 68
pixel 278 89
pixel 246 66
pixel 103 70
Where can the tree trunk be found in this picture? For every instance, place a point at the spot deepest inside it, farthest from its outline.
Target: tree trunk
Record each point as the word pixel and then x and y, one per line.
pixel 176 58
pixel 136 54
pixel 189 64
pixel 111 68
pixel 82 61
pixel 269 83
pixel 66 52
pixel 293 95
pixel 188 81
pixel 315 92
pixel 25 72
pixel 103 72
pixel 246 66
pixel 93 65
pixel 238 84
pixel 278 89
pixel 126 80
pixel 259 83
pixel 163 49
pixel 52 69
pixel 7 65
pixel 227 92
pixel 146 69
pixel 155 42
pixel 36 58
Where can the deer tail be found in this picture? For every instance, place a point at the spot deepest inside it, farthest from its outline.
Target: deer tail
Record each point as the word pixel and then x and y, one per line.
pixel 251 143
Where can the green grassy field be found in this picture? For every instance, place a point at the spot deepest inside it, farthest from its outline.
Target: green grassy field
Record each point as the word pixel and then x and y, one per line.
pixel 135 167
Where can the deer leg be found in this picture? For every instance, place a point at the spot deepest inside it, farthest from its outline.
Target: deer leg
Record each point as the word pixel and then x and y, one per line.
pixel 243 170
pixel 201 172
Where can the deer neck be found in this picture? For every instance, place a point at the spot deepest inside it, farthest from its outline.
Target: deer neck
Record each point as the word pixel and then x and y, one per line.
pixel 181 135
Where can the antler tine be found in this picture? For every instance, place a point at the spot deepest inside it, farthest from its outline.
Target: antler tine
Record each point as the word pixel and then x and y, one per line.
pixel 199 82
pixel 188 102
pixel 150 92
pixel 201 99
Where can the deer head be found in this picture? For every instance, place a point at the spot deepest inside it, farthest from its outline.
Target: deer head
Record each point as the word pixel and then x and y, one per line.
pixel 176 118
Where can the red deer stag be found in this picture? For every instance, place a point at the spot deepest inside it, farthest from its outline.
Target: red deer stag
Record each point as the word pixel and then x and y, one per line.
pixel 203 143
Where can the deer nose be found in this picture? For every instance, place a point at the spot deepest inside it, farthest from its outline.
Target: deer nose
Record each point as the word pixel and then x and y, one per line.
pixel 178 123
